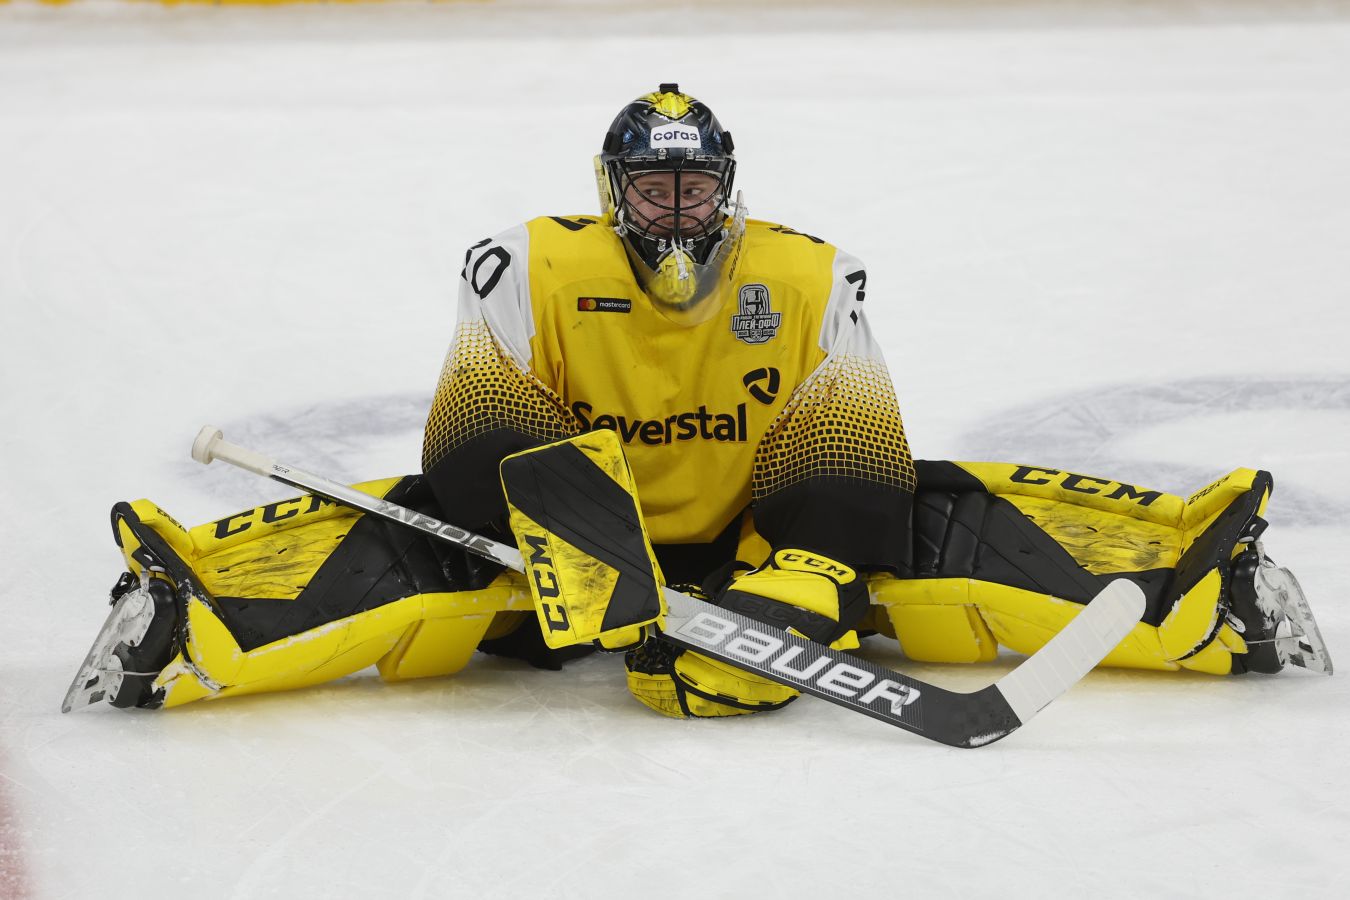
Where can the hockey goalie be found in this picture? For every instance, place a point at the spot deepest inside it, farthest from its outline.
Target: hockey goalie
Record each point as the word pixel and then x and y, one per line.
pixel 732 360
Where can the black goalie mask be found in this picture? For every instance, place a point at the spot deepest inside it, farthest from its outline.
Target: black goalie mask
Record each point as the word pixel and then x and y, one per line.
pixel 665 175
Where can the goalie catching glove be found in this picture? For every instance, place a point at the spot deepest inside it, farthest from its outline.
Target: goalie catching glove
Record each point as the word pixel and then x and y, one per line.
pixel 817 597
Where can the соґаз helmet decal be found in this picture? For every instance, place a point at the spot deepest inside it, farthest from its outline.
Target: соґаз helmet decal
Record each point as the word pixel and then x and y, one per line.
pixel 665 175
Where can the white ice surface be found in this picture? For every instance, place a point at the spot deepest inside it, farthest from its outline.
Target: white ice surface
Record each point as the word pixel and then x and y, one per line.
pixel 1113 242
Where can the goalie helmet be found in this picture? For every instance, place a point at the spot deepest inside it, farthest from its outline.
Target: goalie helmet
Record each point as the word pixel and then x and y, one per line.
pixel 665 175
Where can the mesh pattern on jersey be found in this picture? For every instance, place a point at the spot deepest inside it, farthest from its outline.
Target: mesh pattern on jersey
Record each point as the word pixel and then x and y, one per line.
pixel 843 422
pixel 481 390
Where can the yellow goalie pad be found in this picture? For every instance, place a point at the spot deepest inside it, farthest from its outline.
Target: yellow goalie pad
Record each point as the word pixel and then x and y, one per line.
pixel 1016 550
pixel 303 591
pixel 588 559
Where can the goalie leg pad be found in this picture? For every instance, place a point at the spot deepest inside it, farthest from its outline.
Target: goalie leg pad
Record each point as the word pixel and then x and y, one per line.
pixel 1006 553
pixel 301 592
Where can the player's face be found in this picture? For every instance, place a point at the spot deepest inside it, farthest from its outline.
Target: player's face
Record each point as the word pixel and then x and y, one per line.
pixel 652 198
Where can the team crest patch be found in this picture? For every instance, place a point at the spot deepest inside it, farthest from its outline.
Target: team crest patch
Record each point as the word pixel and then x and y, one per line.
pixel 604 304
pixel 757 322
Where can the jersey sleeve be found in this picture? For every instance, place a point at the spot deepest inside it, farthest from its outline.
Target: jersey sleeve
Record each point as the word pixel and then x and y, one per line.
pixel 834 473
pixel 489 401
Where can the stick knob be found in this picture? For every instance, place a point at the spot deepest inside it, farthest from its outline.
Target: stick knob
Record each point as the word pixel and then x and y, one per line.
pixel 203 448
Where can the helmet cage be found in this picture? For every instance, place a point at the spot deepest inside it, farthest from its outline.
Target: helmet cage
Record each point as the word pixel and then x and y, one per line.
pixel 653 235
pixel 682 250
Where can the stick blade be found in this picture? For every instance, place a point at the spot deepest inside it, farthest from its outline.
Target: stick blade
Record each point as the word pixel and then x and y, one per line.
pixel 1076 650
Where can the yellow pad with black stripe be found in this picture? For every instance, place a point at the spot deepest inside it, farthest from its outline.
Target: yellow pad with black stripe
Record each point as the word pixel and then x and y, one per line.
pixel 1006 553
pixel 303 591
pixel 588 558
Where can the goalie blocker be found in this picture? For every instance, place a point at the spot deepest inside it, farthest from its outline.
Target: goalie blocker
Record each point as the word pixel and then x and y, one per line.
pixel 587 556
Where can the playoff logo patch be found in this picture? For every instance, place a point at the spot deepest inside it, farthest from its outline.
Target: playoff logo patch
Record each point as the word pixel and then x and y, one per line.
pixel 604 304
pixel 757 322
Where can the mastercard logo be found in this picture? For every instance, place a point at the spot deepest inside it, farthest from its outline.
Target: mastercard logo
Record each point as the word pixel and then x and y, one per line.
pixel 604 304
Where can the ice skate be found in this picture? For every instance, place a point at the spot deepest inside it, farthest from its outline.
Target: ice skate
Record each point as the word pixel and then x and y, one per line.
pixel 1274 618
pixel 131 648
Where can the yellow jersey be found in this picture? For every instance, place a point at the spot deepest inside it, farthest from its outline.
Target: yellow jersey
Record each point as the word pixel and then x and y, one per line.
pixel 781 384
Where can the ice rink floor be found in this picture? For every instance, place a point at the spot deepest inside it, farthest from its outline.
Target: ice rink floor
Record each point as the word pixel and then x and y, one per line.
pixel 1114 242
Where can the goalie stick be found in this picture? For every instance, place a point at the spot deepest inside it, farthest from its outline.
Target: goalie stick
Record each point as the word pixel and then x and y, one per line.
pixel 949 717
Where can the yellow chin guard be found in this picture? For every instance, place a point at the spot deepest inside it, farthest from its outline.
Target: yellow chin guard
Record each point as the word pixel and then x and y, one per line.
pixel 673 283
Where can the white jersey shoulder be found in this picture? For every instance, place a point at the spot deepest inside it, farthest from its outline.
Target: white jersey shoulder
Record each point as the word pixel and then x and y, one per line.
pixel 843 328
pixel 797 254
pixel 495 288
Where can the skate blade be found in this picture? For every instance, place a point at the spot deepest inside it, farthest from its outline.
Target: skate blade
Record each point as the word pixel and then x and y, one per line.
pixel 100 675
pixel 1304 646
